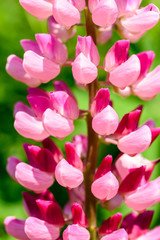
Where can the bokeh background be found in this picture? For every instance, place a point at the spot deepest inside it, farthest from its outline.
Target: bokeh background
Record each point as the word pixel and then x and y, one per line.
pixel 16 24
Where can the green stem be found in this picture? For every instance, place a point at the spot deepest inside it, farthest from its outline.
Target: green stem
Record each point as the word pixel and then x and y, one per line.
pixel 93 143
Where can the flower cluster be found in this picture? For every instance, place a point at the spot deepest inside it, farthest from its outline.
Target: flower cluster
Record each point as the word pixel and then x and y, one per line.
pixel 127 179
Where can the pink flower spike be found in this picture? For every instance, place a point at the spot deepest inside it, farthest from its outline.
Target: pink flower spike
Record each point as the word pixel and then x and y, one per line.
pixel 136 142
pixel 143 20
pixel 51 212
pixel 105 122
pixel 43 159
pixel 126 74
pixel 37 229
pixel 60 31
pixel 52 48
pixel 86 46
pixel 105 187
pixel 84 71
pixel 120 234
pixel 65 13
pixel 62 86
pixel 117 55
pixel 127 6
pixel 76 232
pixel 104 167
pixel 64 104
pixel 11 166
pixel 110 225
pixel 79 216
pixel 72 156
pixel 30 45
pixel 57 125
pixel 39 67
pixel 67 175
pixel 132 181
pixel 100 101
pixel 15 228
pixel 145 196
pixel 105 13
pixel 51 146
pixel 33 178
pixel 41 11
pixel 15 69
pixel 146 59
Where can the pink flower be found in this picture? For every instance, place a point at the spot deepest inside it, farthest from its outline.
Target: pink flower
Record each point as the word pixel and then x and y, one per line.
pixel 105 119
pixel 105 185
pixel 84 67
pixel 41 62
pixel 119 234
pixel 76 232
pixel 110 225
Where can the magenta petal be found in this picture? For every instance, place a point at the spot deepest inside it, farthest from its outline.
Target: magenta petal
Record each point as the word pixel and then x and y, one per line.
pixel 64 104
pixel 105 122
pixel 100 101
pixel 105 13
pixel 11 166
pixel 15 228
pixel 51 146
pixel 84 71
pixel 76 232
pixel 33 178
pixel 104 167
pixel 126 74
pixel 67 175
pixel 62 86
pixel 39 67
pixel 65 13
pixel 79 216
pixel 29 127
pixel 136 142
pixel 120 234
pixel 86 46
pixel 72 156
pixel 105 187
pixel 117 55
pixel 15 68
pixel 30 45
pixel 57 125
pixel 37 229
pixel 111 224
pixel 42 10
pixel 52 48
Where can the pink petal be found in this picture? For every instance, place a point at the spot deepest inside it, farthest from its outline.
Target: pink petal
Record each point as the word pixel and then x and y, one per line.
pixel 104 167
pixel 51 146
pixel 126 74
pixel 52 48
pixel 72 156
pixel 42 10
pixel 80 143
pixel 117 55
pixel 84 71
pixel 105 122
pixel 136 142
pixel 37 229
pixel 67 175
pixel 103 35
pixel 15 68
pixel 86 46
pixel 57 125
pixel 79 216
pixel 33 178
pixel 29 127
pixel 110 225
pixel 11 166
pixel 151 234
pixel 143 20
pixel 30 45
pixel 105 13
pixel 79 4
pixel 145 196
pixel 21 107
pixel 65 13
pixel 100 101
pixel 64 104
pixel 76 232
pixel 15 228
pixel 105 187
pixel 127 6
pixel 120 234
pixel 39 67
pixel 149 87
pixel 62 86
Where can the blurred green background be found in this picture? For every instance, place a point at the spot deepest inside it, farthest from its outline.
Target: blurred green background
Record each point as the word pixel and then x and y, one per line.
pixel 16 24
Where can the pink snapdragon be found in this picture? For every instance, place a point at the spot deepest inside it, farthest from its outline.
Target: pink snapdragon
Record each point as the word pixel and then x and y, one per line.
pixel 84 67
pixel 51 114
pixel 41 61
